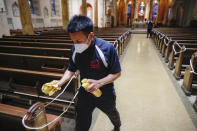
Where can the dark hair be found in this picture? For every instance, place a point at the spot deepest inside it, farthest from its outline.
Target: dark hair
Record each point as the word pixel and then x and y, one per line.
pixel 80 23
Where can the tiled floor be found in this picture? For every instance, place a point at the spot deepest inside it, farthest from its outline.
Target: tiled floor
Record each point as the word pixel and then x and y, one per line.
pixel 146 96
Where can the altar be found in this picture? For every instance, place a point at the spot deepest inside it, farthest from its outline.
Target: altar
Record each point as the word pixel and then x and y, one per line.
pixel 140 25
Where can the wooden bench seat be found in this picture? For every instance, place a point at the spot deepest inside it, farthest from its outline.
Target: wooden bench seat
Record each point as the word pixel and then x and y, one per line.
pixel 24 86
pixel 11 119
pixel 51 40
pixel 34 62
pixel 37 44
pixel 51 45
pixel 183 61
pixel 189 85
pixel 56 36
pixel 43 51
pixel 168 49
pixel 37 40
pixel 163 44
pixel 23 74
pixel 172 55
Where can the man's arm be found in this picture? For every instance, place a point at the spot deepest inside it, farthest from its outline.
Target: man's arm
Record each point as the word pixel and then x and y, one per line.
pixel 96 84
pixel 66 77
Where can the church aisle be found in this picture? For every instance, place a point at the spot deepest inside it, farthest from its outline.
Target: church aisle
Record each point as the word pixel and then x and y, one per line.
pixel 146 97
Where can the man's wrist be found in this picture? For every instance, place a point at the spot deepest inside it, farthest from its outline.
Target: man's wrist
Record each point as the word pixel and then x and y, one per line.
pixel 101 84
pixel 60 84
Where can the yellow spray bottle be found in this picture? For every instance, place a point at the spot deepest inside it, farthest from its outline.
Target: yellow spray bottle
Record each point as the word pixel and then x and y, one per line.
pixel 85 84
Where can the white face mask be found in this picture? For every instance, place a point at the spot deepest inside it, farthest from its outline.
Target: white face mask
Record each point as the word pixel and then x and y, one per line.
pixel 79 48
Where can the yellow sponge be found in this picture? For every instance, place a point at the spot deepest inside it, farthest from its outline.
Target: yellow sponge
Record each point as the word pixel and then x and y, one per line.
pixel 85 84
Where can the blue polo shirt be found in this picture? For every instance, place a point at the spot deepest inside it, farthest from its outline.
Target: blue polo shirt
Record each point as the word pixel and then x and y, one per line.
pixel 91 65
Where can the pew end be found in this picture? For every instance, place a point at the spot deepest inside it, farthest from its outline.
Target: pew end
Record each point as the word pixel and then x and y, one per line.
pixel 11 117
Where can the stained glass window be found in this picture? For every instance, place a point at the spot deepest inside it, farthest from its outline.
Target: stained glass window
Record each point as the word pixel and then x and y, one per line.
pixel 53 8
pixel 155 9
pixel 169 13
pixel 31 6
pixel 142 8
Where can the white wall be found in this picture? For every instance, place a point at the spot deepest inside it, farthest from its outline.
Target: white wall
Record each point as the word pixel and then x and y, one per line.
pixel 39 20
pixel 74 7
pixel 50 21
pixel 4 30
pixel 2 4
pixel 91 2
pixel 15 20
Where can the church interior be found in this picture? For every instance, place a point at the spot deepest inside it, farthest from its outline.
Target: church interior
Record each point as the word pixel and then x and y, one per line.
pixel 156 90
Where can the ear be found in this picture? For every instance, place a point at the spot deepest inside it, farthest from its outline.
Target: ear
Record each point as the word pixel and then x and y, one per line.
pixel 91 35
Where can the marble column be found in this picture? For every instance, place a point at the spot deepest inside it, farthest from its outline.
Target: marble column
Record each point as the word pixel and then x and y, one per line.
pixel 84 7
pixel 95 13
pixel 136 9
pixel 148 6
pixel 25 16
pixel 151 9
pixel 166 14
pixel 115 13
pixel 158 11
pixel 4 30
pixel 65 14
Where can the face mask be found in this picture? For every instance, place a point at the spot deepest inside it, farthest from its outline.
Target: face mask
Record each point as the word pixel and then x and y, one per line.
pixel 79 48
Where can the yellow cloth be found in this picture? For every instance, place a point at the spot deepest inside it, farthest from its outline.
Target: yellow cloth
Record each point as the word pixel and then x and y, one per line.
pixel 50 88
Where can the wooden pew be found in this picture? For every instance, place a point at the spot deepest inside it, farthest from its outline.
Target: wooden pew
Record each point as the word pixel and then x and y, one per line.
pixel 57 36
pixel 37 44
pixel 178 47
pixel 22 84
pixel 183 61
pixel 65 46
pixel 162 42
pixel 195 105
pixel 169 48
pixel 43 51
pixel 34 62
pixel 190 78
pixel 174 33
pixel 11 119
pixel 24 87
pixel 37 40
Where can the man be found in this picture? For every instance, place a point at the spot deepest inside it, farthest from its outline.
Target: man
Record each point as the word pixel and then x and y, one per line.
pixel 149 29
pixel 129 14
pixel 97 61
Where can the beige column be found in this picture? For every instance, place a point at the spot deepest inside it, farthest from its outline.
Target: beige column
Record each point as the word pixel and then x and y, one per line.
pixel 148 6
pixel 158 11
pixel 166 14
pixel 136 9
pixel 125 11
pixel 115 13
pixel 150 11
pixel 25 16
pixel 65 14
pixel 84 7
pixel 95 13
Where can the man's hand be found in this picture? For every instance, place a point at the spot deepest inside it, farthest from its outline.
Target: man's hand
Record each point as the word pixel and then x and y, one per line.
pixel 93 86
pixel 66 77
